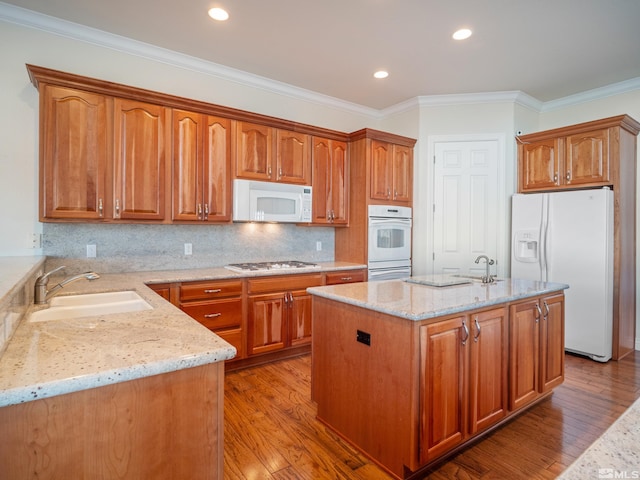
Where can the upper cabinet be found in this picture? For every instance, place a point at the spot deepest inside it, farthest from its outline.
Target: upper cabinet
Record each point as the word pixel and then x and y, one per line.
pixel 74 153
pixel 330 181
pixel 272 154
pixel 141 147
pixel 391 173
pixel 573 160
pixel 201 167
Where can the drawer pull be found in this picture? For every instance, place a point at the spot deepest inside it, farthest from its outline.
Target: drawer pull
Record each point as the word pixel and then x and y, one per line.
pixel 212 315
pixel 213 290
pixel 346 279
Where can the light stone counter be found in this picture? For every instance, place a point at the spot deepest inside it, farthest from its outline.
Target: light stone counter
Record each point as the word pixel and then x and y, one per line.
pixel 616 454
pixel 44 359
pixel 420 302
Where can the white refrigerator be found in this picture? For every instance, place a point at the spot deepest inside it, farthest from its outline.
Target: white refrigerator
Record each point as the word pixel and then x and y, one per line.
pixel 567 237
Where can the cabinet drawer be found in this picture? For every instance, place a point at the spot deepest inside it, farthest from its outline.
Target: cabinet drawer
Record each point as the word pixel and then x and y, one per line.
pixel 234 337
pixel 216 314
pixel 284 283
pixel 204 290
pixel 346 276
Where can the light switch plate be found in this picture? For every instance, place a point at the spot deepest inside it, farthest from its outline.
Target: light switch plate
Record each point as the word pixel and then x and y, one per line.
pixel 91 251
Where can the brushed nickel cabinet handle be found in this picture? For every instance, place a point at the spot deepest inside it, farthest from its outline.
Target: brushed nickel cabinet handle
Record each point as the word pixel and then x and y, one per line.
pixel 100 208
pixel 568 177
pixel 546 311
pixel 269 172
pixel 475 338
pixel 539 313
pixel 466 332
pixel 346 279
pixel 206 211
pixel 555 178
pixel 199 211
pixel 212 315
pixel 213 290
pixel 117 208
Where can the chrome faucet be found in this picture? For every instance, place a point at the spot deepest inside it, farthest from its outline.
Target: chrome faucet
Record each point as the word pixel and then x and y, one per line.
pixel 487 278
pixel 42 295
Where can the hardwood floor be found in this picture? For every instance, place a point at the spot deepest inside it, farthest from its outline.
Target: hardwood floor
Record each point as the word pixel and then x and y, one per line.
pixel 271 431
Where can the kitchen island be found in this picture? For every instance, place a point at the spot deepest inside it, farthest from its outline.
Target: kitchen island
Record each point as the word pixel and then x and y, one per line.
pixel 410 373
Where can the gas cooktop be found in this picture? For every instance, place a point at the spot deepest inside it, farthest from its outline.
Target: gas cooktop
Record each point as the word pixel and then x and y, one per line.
pixel 262 266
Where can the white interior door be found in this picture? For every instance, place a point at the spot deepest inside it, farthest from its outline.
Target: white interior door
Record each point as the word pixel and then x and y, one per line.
pixel 465 209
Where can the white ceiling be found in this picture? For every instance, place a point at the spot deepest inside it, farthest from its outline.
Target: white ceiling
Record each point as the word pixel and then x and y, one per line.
pixel 548 49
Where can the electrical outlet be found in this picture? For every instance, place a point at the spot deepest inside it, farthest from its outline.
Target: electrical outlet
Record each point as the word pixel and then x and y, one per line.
pixel 91 251
pixel 318 245
pixel 35 240
pixel 188 249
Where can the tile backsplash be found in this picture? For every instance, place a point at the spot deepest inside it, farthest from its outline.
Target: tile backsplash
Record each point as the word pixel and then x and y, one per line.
pixel 135 247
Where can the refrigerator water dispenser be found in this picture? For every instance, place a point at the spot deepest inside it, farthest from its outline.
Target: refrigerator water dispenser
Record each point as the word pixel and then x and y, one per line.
pixel 525 246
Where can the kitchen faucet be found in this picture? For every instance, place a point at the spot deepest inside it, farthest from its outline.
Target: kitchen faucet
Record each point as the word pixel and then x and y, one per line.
pixel 42 295
pixel 487 278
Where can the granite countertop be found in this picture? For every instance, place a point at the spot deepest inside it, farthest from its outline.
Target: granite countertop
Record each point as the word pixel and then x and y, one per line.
pixel 614 454
pixel 416 301
pixel 49 358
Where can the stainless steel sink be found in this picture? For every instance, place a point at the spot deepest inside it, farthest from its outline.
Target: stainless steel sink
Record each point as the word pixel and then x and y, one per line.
pixel 91 305
pixel 475 278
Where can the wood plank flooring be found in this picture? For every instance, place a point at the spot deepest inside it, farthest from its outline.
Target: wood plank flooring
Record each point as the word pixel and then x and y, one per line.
pixel 271 431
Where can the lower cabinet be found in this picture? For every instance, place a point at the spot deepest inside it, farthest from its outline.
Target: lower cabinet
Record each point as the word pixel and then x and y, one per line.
pixel 463 379
pixel 536 348
pixel 279 312
pixel 218 306
pixel 257 315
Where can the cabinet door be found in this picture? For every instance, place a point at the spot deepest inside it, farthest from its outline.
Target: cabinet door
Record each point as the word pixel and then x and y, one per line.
pixel 217 169
pixel 540 164
pixel 140 151
pixel 524 352
pixel 402 173
pixel 552 343
pixel 330 181
pixel 73 163
pixel 488 369
pixel 587 158
pixel 267 323
pixel 381 158
pixel 443 396
pixel 254 151
pixel 299 318
pixel 187 165
pixel 339 183
pixel 293 157
pixel 322 181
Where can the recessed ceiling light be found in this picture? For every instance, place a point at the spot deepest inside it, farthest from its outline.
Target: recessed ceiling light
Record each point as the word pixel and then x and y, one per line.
pixel 381 74
pixel 462 34
pixel 218 14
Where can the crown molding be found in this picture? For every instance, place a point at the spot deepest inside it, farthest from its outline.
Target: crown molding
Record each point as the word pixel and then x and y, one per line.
pixel 619 88
pixel 56 26
pixel 64 28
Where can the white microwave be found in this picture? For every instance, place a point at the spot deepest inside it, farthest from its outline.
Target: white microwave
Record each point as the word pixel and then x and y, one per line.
pixel 255 201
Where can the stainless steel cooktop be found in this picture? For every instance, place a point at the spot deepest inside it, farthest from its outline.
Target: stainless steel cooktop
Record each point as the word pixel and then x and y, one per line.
pixel 276 266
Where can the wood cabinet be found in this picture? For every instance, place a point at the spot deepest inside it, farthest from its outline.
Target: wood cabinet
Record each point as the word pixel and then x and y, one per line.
pixel 577 160
pixel 279 312
pixel 201 167
pixel 391 173
pixel 82 177
pixel 409 392
pixel 74 153
pixel 330 181
pixel 463 375
pixel 142 428
pixel 218 305
pixel 380 173
pixel 594 154
pixel 536 348
pixel 271 154
pixel 141 148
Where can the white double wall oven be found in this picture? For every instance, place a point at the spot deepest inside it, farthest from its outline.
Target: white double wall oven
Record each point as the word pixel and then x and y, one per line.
pixel 389 243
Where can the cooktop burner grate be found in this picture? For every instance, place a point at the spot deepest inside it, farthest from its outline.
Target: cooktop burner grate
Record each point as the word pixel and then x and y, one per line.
pixel 262 266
